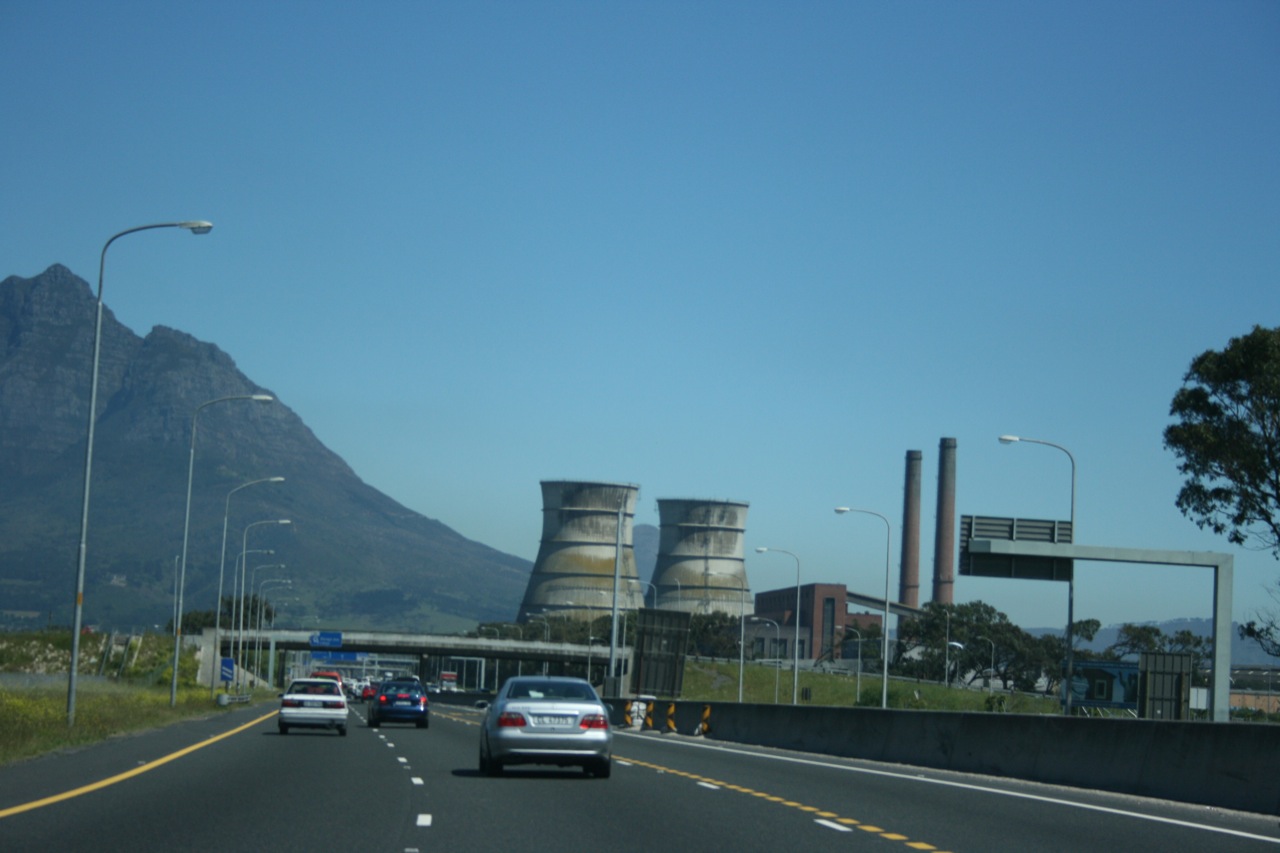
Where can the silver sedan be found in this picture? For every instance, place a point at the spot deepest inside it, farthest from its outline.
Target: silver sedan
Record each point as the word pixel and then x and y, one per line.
pixel 547 720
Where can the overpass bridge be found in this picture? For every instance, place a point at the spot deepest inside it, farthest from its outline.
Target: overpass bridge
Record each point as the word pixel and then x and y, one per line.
pixel 422 646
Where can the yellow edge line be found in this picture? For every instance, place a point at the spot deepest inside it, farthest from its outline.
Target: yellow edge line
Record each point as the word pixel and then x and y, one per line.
pixel 129 774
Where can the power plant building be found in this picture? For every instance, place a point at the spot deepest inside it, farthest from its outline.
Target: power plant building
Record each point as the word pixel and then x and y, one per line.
pixel 586 527
pixel 700 566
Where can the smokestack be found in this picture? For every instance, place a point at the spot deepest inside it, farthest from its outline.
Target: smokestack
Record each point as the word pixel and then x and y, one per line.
pixel 944 541
pixel 573 573
pixel 909 585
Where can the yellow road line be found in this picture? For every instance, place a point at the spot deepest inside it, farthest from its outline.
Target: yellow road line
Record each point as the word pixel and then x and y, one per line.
pixel 129 774
pixel 828 815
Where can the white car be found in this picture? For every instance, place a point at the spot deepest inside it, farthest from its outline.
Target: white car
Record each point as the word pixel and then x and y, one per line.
pixel 313 703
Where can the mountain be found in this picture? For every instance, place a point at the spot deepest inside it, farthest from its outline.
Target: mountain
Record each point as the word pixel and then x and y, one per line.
pixel 1243 652
pixel 358 559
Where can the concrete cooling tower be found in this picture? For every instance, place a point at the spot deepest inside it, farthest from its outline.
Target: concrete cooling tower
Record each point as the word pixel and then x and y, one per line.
pixel 573 574
pixel 700 564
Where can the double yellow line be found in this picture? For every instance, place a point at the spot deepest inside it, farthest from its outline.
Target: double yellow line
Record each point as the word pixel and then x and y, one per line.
pixel 66 795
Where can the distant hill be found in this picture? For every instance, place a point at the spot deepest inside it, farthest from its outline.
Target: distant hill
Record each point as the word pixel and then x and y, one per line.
pixel 1243 652
pixel 359 558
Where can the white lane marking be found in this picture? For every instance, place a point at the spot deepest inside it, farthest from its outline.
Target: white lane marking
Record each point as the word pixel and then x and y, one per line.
pixel 709 785
pixel 981 788
pixel 403 760
pixel 424 820
pixel 831 824
pixel 417 780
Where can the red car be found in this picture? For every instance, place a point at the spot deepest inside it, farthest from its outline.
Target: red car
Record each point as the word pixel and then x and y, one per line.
pixel 369 691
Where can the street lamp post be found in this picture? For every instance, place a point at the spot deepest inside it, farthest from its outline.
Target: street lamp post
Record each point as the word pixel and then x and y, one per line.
pixel 186 529
pixel 858 688
pixel 251 603
pixel 884 626
pixel 195 227
pixel 795 683
pixel 222 564
pixel 257 648
pixel 244 548
pixel 992 669
pixel 951 644
pixel 777 660
pixel 546 627
pixel 1071 581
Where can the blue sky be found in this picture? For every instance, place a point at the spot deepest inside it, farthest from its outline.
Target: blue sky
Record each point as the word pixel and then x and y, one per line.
pixel 749 251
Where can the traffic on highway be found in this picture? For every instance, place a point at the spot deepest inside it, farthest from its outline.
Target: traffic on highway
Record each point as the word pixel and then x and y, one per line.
pixel 231 781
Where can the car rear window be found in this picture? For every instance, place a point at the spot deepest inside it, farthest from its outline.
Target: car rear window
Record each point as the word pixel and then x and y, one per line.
pixel 316 688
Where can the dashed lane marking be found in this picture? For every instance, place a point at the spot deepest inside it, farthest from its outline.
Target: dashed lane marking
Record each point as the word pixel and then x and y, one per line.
pixel 826 819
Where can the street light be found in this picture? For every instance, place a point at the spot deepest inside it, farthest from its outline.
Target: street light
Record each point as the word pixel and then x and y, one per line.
pixel 1071 580
pixel 222 564
pixel 993 661
pixel 884 642
pixel 795 683
pixel 742 624
pixel 777 660
pixel 859 687
pixel 546 626
pixel 244 548
pixel 951 644
pixel 253 602
pixel 195 227
pixel 186 528
pixel 257 647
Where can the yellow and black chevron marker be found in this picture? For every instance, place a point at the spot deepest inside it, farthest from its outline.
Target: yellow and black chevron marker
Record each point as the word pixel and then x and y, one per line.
pixel 671 717
pixel 705 728
pixel 648 715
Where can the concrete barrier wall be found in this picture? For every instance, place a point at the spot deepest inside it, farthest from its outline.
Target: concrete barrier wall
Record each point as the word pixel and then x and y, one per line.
pixel 1230 765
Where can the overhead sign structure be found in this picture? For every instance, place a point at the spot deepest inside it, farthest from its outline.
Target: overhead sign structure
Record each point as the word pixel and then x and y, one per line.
pixel 1222 565
pixel 326 640
pixel 1017 566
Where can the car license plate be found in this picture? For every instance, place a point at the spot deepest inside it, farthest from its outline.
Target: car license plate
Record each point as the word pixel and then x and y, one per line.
pixel 405 702
pixel 312 703
pixel 547 720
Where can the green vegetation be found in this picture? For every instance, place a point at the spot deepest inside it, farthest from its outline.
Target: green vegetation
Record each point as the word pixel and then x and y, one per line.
pixel 717 681
pixel 132 695
pixel 35 716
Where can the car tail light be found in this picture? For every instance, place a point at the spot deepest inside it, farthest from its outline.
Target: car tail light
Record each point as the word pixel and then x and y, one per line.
pixel 382 699
pixel 291 703
pixel 511 719
pixel 594 721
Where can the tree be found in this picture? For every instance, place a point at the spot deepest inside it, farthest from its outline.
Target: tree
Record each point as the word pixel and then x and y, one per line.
pixel 1227 440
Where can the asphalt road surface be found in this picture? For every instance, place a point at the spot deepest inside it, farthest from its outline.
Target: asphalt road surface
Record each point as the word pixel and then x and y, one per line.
pixel 231 782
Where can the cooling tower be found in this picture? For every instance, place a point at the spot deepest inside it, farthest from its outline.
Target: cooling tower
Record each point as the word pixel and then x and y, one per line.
pixel 573 574
pixel 909 585
pixel 700 564
pixel 944 538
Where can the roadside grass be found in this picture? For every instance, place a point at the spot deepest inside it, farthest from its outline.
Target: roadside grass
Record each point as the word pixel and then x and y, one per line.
pixel 130 695
pixel 35 716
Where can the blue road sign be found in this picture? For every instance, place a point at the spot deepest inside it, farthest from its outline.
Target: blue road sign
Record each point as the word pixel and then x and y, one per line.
pixel 326 640
pixel 228 669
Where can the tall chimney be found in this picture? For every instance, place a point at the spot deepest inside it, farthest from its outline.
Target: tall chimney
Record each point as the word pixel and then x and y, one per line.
pixel 944 540
pixel 909 584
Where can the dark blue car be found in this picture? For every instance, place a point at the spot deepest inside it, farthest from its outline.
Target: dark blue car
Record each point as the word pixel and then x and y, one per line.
pixel 400 702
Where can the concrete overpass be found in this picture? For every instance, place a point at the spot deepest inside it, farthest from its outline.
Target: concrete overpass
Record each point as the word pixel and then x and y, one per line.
pixel 422 646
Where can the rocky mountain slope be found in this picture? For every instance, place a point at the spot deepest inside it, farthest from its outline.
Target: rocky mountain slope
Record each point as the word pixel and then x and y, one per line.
pixel 362 559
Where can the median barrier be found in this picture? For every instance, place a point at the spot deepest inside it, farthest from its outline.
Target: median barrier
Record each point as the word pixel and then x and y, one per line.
pixel 1229 765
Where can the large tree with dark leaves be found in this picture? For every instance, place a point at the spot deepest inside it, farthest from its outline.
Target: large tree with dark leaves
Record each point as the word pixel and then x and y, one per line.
pixel 1227 440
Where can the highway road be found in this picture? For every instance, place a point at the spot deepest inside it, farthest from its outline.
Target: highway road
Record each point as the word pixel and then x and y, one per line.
pixel 231 782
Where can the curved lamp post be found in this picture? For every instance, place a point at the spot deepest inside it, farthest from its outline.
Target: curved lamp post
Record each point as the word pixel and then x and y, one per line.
pixel 222 564
pixel 1071 581
pixel 244 549
pixel 195 227
pixel 257 649
pixel 795 683
pixel 186 528
pixel 777 662
pixel 884 628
